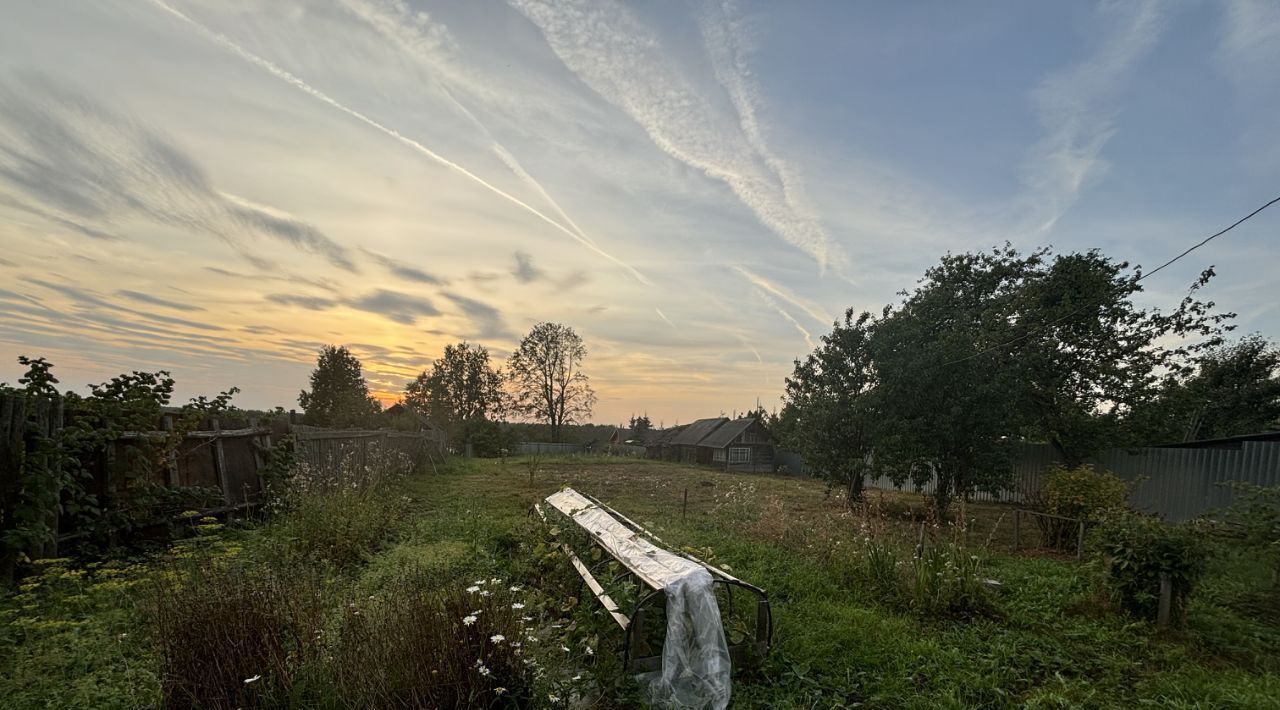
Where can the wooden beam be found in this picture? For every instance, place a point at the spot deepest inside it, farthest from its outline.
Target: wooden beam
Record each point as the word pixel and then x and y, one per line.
pixel 596 589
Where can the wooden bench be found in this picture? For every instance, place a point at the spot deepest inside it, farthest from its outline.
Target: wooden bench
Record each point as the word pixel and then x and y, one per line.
pixel 652 567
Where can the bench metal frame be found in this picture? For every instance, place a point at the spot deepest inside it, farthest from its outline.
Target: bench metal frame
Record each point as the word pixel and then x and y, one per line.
pixel 756 645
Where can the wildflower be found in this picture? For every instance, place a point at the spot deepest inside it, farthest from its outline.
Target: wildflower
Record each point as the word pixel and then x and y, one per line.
pixel 477 612
pixel 484 593
pixel 499 691
pixel 564 648
pixel 472 590
pixel 497 638
pixel 517 605
pixel 468 620
pixel 526 618
pixel 589 651
pixel 515 587
pixel 495 580
pixel 484 670
pixel 553 697
pixel 577 677
pixel 479 582
pixel 253 679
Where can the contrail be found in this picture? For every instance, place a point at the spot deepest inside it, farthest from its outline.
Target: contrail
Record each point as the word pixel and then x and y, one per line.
pixel 764 284
pixel 511 162
pixel 315 93
pixel 808 338
pixel 664 317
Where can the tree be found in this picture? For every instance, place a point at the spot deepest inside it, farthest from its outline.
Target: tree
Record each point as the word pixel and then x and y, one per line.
pixel 339 395
pixel 829 405
pixel 1086 354
pixel 641 425
pixel 943 413
pixel 461 391
pixel 1234 390
pixel 546 377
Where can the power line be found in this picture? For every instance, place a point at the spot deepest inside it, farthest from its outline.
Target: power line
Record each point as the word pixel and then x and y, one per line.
pixel 1079 310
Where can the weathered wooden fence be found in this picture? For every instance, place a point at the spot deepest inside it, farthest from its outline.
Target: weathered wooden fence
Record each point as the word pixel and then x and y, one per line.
pixel 230 461
pixel 1176 483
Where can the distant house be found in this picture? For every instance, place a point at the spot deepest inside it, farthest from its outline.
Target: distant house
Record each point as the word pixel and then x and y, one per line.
pixel 734 445
pixel 624 436
pixel 400 412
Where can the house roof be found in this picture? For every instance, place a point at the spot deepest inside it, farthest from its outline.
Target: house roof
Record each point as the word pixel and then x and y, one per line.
pixel 697 431
pixel 663 436
pixel 722 437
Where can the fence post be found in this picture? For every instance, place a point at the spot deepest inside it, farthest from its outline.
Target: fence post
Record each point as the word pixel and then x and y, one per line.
pixel 1017 529
pixel 220 462
pixel 1166 601
pixel 1080 542
pixel 684 509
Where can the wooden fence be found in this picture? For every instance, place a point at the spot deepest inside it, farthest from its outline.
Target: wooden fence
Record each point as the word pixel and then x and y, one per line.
pixel 230 461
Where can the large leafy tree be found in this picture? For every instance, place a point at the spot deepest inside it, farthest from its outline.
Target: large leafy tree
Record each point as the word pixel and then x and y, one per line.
pixel 1085 354
pixel 944 413
pixel 339 395
pixel 1234 390
pixel 462 390
pixel 546 377
pixel 829 404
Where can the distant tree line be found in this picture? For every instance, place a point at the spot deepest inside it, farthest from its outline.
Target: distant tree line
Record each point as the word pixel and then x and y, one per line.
pixel 465 393
pixel 999 346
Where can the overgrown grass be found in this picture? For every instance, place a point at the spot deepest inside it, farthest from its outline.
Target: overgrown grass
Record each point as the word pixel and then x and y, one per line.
pixel 878 606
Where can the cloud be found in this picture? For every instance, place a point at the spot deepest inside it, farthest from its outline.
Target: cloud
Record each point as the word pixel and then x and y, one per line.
pixel 155 301
pixel 94 307
pixel 399 307
pixel 524 270
pixel 486 318
pixel 310 303
pixel 626 64
pixel 1076 109
pixel 408 273
pixel 765 285
pixel 297 83
pixel 6 262
pixel 80 161
pixel 1251 39
pixel 663 316
pixel 395 306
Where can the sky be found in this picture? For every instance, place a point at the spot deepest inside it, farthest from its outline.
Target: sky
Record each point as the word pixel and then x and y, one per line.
pixel 219 187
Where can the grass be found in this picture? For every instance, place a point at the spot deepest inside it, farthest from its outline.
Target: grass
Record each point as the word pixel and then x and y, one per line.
pixel 860 618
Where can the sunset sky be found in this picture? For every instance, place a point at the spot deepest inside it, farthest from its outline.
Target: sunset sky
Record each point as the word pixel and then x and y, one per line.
pixel 219 187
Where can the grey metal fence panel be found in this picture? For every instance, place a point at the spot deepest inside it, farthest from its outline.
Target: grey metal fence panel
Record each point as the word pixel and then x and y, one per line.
pixel 1177 484
pixel 543 447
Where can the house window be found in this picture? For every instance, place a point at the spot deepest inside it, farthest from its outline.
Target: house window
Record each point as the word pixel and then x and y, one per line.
pixel 739 454
pixel 718 455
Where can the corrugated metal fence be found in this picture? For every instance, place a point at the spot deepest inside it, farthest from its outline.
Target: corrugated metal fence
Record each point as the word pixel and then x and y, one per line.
pixel 1177 484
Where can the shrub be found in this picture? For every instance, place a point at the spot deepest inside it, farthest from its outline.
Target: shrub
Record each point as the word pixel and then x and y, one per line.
pixel 414 647
pixel 1136 550
pixel 232 635
pixel 1080 493
pixel 938 580
pixel 1254 521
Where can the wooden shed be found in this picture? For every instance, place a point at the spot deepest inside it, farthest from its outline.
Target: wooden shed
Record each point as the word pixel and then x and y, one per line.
pixel 740 445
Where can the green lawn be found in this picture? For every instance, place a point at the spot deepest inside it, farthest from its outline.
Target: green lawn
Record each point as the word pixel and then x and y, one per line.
pixel 78 637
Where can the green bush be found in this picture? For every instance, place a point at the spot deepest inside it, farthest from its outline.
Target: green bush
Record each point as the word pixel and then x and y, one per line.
pixel 1136 550
pixel 1080 493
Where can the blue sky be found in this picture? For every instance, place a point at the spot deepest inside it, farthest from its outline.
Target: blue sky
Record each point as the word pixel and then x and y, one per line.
pixel 219 187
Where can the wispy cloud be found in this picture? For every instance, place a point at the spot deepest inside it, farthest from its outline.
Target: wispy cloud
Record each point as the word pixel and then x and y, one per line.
pixel 487 320
pixel 1251 37
pixel 663 316
pixel 301 85
pixel 157 301
pixel 395 306
pixel 1076 108
pixel 80 161
pixel 408 273
pixel 525 271
pixel 624 62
